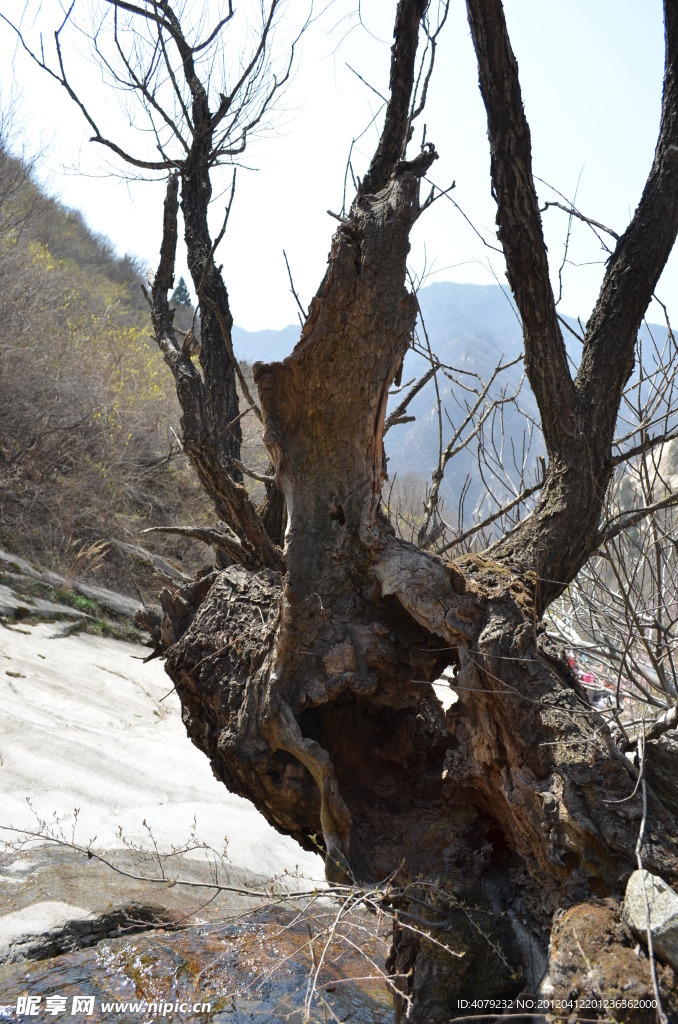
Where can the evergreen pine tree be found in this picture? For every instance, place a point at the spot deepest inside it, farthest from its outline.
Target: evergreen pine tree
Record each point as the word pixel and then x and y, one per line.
pixel 181 295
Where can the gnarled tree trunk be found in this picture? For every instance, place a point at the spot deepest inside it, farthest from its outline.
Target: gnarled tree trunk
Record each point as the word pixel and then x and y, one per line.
pixel 306 676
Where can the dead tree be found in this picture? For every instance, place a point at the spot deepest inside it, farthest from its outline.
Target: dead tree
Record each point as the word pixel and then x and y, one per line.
pixel 304 672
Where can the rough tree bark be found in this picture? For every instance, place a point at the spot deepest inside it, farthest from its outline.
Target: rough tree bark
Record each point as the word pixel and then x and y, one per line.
pixel 305 674
pixel 310 691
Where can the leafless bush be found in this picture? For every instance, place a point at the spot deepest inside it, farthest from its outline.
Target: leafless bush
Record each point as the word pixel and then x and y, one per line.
pixel 620 616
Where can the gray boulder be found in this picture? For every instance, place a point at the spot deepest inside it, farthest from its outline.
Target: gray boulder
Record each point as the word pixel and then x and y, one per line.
pixel 643 889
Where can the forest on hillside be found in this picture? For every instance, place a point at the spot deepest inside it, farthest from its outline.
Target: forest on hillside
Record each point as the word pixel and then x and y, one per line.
pixel 90 455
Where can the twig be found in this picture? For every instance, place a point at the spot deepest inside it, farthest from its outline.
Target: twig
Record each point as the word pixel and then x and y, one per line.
pixel 628 519
pixel 365 82
pixel 304 312
pixel 491 519
pixel 456 205
pixel 234 421
pixel 567 327
pixel 647 444
pixel 397 415
pixel 574 212
pixel 251 473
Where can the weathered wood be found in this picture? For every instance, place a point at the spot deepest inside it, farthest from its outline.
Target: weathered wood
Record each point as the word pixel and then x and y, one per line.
pixel 311 691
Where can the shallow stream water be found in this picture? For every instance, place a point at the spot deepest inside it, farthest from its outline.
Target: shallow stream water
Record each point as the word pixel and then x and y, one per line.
pixel 260 969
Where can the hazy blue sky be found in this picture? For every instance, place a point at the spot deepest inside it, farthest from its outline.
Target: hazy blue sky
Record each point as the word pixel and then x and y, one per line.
pixel 591 75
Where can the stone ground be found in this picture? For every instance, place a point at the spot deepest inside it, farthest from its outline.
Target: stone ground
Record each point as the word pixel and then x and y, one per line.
pixel 85 724
pixel 93 754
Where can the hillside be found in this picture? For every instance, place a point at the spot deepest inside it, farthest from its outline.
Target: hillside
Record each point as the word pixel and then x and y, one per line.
pixel 88 414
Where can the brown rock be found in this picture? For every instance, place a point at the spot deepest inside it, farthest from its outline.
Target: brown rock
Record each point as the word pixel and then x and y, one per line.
pixel 596 966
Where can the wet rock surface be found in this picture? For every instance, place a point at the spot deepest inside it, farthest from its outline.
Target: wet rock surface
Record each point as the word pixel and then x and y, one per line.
pixel 56 899
pixel 258 969
pixel 236 957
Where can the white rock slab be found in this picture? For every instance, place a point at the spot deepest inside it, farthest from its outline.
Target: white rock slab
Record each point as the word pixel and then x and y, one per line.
pixel 10 604
pixel 85 724
pixel 663 902
pixel 108 599
pixel 39 918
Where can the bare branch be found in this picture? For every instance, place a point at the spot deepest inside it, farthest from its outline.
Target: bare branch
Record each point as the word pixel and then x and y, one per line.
pixel 520 228
pixel 523 496
pixel 216 30
pixel 567 327
pixel 649 442
pixel 254 547
pixel 574 212
pixel 625 520
pixel 143 89
pixel 457 443
pixel 420 95
pixel 394 135
pixel 260 477
pixel 227 101
pixel 396 416
pixel 637 261
pixel 61 78
pixel 219 538
pixel 365 82
pixel 303 312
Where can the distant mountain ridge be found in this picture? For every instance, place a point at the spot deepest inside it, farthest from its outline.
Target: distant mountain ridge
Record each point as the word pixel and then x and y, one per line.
pixel 470 328
pixel 264 346
pixel 450 310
